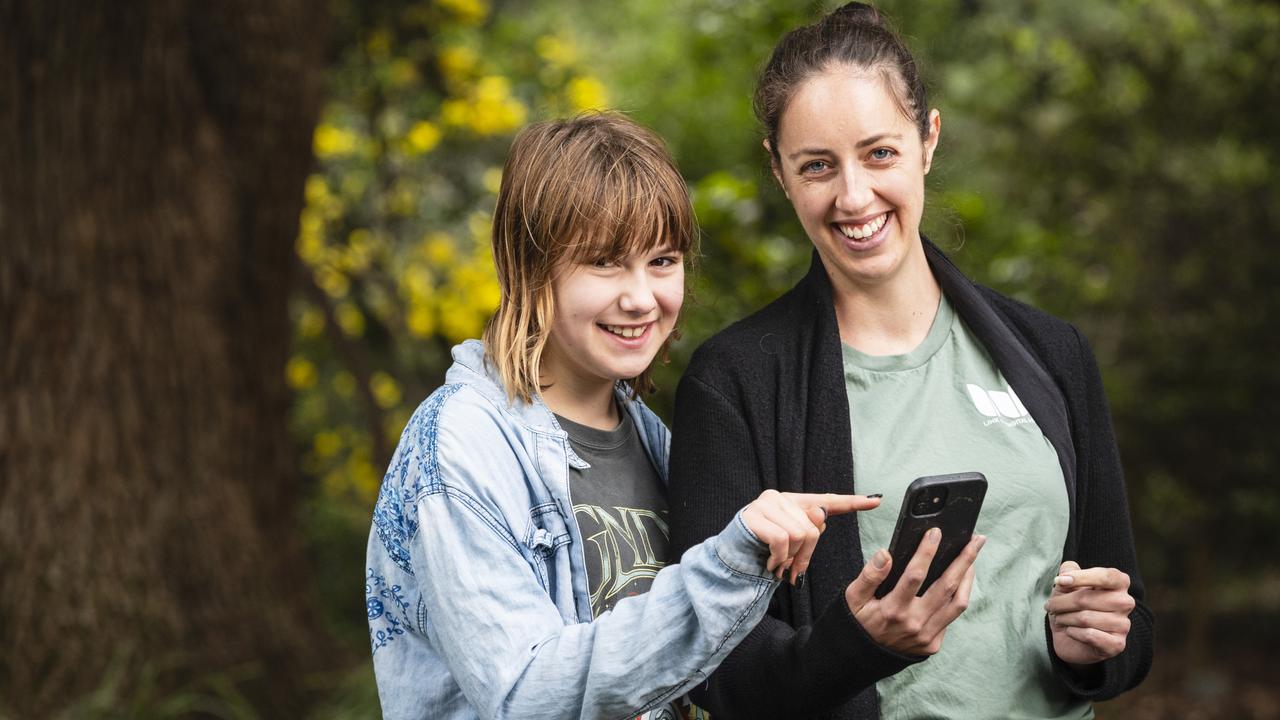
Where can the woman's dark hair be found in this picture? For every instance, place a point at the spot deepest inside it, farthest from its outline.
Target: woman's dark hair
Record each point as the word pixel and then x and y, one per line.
pixel 856 35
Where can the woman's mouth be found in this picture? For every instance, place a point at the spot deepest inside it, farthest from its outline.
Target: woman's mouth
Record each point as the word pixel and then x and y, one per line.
pixel 863 233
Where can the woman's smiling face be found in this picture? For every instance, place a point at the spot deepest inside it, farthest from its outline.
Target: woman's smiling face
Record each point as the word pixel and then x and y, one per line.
pixel 853 166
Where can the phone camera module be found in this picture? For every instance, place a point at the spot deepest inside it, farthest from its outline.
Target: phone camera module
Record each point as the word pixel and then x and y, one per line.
pixel 929 501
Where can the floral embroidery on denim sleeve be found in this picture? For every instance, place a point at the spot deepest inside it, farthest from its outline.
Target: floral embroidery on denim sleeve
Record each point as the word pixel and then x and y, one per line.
pixel 387 609
pixel 394 515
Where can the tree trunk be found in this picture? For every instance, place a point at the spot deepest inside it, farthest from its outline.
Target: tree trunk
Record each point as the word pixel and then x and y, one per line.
pixel 152 158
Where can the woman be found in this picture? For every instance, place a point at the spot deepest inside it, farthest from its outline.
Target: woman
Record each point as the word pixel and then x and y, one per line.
pixel 515 559
pixel 884 364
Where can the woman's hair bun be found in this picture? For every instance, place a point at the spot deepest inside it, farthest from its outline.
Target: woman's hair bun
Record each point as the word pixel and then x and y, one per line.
pixel 857 13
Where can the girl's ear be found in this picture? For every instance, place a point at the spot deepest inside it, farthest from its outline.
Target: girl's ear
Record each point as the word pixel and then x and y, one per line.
pixel 773 167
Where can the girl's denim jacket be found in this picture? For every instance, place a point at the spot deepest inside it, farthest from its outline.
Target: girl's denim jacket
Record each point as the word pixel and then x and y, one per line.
pixel 476 587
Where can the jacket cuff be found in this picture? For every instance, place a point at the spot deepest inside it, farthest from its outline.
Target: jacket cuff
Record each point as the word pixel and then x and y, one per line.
pixel 741 551
pixel 841 660
pixel 838 632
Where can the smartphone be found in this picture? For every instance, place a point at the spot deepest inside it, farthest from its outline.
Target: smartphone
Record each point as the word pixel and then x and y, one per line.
pixel 947 502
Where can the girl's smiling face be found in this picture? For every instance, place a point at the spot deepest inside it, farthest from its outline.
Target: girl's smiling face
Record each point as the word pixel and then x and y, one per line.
pixel 611 318
pixel 853 166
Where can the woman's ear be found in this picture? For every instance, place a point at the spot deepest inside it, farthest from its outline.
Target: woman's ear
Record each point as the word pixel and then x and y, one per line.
pixel 773 167
pixel 931 142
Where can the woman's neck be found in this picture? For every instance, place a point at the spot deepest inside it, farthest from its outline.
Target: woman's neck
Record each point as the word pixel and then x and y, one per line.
pixel 892 317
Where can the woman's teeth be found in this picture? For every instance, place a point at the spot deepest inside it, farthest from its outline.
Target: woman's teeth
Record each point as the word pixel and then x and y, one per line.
pixel 626 332
pixel 862 232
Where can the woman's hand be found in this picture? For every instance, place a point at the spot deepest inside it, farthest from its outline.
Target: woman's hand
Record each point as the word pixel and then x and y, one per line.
pixel 901 621
pixel 1089 613
pixel 790 523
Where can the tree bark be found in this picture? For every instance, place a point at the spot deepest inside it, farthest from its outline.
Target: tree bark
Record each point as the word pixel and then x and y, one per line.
pixel 152 159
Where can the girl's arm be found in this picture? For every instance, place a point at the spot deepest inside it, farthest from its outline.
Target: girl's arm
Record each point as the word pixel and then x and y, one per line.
pixel 485 610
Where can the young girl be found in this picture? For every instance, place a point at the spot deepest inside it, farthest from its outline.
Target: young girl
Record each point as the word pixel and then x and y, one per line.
pixel 515 560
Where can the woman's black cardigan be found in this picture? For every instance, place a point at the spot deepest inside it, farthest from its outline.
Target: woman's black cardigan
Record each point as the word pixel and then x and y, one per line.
pixel 763 405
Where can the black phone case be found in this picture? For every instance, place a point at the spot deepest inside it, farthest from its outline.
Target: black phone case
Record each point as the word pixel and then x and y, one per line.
pixel 956 519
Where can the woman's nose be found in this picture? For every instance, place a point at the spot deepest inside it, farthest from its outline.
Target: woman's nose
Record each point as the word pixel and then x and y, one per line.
pixel 854 193
pixel 637 295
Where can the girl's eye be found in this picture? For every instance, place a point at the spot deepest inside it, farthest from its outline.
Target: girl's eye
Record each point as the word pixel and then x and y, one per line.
pixel 601 263
pixel 665 261
pixel 816 166
pixel 882 154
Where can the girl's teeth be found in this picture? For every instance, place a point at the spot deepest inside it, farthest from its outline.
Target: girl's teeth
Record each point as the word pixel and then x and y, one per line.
pixel 626 332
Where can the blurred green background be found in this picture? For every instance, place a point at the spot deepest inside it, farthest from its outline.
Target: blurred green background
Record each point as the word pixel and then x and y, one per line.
pixel 1111 161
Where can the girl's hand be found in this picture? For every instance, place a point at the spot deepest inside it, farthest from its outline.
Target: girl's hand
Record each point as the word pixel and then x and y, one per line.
pixel 790 523
pixel 901 621
pixel 1089 613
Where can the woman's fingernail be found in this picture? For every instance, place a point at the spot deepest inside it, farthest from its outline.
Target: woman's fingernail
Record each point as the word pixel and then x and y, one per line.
pixel 935 535
pixel 875 496
pixel 824 513
pixel 1063 580
pixel 879 559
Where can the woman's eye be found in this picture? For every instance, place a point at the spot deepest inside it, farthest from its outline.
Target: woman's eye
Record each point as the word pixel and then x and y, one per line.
pixel 882 154
pixel 816 166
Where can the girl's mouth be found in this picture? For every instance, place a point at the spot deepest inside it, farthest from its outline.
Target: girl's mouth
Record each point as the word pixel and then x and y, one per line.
pixel 626 332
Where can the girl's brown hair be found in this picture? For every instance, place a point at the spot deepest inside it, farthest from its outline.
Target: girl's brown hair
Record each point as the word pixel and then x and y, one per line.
pixel 573 191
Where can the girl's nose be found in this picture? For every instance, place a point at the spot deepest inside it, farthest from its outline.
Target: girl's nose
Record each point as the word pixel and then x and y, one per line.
pixel 637 295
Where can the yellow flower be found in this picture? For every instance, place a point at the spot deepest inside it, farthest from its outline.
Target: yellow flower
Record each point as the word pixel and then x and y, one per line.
pixel 327 444
pixel 587 93
pixel 332 141
pixel 455 112
pixel 422 138
pixel 439 249
pixel 300 373
pixel 493 180
pixel 386 391
pixel 316 190
pixel 556 51
pixel 457 62
pixel 333 282
pixel 421 320
pixel 350 319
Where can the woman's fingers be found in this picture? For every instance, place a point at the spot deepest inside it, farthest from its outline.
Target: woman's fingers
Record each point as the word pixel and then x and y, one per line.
pixel 1103 644
pixel 1071 578
pixel 863 588
pixel 1113 601
pixel 948 584
pixel 1104 621
pixel 954 600
pixel 918 568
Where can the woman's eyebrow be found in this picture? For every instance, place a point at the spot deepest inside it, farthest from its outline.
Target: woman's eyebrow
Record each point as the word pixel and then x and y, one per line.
pixel 877 138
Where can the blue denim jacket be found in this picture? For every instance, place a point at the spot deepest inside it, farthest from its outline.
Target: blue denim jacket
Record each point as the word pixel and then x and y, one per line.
pixel 476 587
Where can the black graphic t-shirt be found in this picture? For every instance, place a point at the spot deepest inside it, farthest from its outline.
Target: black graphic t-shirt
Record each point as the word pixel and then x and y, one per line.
pixel 620 505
